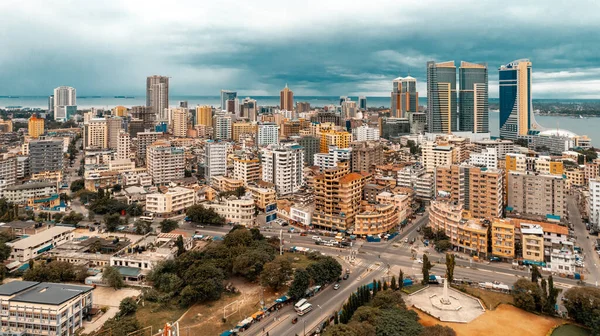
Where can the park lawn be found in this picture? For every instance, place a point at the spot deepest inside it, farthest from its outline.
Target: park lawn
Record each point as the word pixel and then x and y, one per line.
pixel 298 260
pixel 490 299
pixel 570 330
pixel 413 288
pixel 157 314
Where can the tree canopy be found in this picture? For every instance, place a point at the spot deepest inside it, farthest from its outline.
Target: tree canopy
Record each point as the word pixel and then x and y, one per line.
pixel 583 305
pixel 205 216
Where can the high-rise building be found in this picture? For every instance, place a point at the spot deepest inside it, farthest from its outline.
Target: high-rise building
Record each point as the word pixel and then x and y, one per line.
pixel 327 117
pixel 249 109
pixel 537 194
pixel 35 126
pixel 145 114
pixel 124 145
pixel 8 171
pixel 222 127
pixel 119 111
pixel 63 96
pixel 114 125
pixel 594 202
pixel 473 97
pixel 282 166
pixel 215 160
pixel 405 98
pixel 362 103
pixel 310 145
pixel 180 122
pixel 366 155
pixel 433 155
pixel 95 133
pixel 204 115
pixel 247 170
pixel 183 104
pixel 240 129
pixel 226 96
pixel 390 128
pixel 302 107
pixel 330 137
pixel 441 97
pixel 165 163
pixel 51 104
pixel 144 140
pixel 286 99
pixel 349 109
pixel 365 133
pixel 338 194
pixel 157 96
pixel 45 155
pixel 516 112
pixel 268 133
pixel 331 159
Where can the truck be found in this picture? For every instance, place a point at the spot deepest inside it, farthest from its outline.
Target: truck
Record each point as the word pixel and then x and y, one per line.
pixel 373 239
pixel 435 279
pixel 407 282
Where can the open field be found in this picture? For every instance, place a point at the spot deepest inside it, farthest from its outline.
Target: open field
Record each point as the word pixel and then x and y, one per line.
pixel 496 322
pixel 157 314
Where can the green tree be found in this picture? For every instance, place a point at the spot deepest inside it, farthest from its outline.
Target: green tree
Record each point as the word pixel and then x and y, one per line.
pixel 179 244
pixel 116 188
pixel 438 330
pixel 135 209
pixel 552 296
pixel 112 221
pixel 77 185
pixel 400 280
pixel 583 306
pixel 168 225
pixel 393 284
pixel 340 330
pixel 204 283
pixel 112 277
pixel 238 237
pixel 388 299
pixel 526 295
pixel 128 306
pixel 299 285
pixel 535 273
pixel 250 264
pixel 72 218
pixel 142 227
pixel 206 216
pixel 450 264
pixel 427 266
pixel 276 273
pixel 443 245
pixel 398 322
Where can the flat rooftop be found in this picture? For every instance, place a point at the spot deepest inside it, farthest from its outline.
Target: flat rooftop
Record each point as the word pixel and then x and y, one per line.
pixel 42 292
pixel 41 237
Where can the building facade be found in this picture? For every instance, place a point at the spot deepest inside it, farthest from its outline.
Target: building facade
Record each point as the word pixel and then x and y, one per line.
pixel 282 166
pixel 516 112
pixel 441 97
pixel 405 98
pixel 215 159
pixel 157 96
pixel 165 163
pixel 45 155
pixel 473 97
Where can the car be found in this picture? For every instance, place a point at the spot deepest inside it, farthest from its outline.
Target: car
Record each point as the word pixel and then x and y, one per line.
pixel 406 240
pixel 336 286
pixel 420 261
pixel 495 259
pixel 316 238
pixel 346 276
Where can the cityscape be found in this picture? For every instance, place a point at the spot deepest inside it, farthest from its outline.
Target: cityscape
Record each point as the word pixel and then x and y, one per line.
pixel 454 202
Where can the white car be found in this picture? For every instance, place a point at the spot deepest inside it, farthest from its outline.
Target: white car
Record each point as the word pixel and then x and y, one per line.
pixel 420 261
pixel 316 238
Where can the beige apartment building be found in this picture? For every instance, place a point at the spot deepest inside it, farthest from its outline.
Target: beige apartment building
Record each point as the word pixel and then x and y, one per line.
pixel 366 155
pixel 434 155
pixel 262 196
pixel 246 170
pixel 96 133
pixel 503 238
pixel 239 129
pixel 204 115
pixel 223 184
pixel 537 194
pixel 376 219
pixel 173 202
pixel 35 126
pixel 180 122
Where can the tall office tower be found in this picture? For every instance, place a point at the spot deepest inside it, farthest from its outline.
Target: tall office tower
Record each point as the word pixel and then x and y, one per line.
pixel 310 145
pixel 180 122
pixel 286 99
pixel 348 109
pixel 473 107
pixel 157 96
pixel 222 127
pixel 302 107
pixel 338 194
pixel 362 103
pixel 343 99
pixel 113 128
pixel 183 104
pixel 123 145
pixel 249 109
pixel 51 104
pixel 282 166
pixel 8 171
pixel 35 126
pixel 441 97
pixel 215 160
pixel 204 115
pixel 165 163
pixel 268 133
pixel 144 140
pixel 144 113
pixel 405 98
pixel 516 113
pixel 45 155
pixel 64 96
pixel 95 133
pixel 227 96
pixel 537 194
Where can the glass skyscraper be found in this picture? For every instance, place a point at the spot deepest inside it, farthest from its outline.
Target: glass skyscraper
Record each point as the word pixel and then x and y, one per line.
pixel 516 114
pixel 441 97
pixel 404 98
pixel 473 106
pixel 225 97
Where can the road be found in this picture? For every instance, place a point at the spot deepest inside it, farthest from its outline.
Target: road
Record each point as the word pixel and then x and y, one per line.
pixel 585 241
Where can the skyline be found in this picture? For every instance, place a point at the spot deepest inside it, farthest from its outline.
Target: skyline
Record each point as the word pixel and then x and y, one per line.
pixel 112 46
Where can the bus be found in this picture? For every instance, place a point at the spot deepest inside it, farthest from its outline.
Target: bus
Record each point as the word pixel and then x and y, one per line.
pixel 304 309
pixel 300 304
pixel 148 218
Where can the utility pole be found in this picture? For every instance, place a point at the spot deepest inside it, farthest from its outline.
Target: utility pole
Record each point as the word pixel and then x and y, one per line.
pixel 280 242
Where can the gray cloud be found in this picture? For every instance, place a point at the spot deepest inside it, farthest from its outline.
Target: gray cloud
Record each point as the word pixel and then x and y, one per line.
pixel 317 47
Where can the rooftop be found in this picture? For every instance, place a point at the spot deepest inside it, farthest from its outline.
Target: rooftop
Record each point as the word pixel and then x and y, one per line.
pixel 40 237
pixel 31 186
pixel 42 292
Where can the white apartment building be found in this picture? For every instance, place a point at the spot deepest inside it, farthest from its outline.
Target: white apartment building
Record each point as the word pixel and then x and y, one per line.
pixel 142 179
pixel 433 155
pixel 144 140
pixel 562 261
pixel 330 160
pixel 365 133
pixel 21 193
pixel 179 121
pixel 237 211
pixel 487 158
pixel 165 163
pixel 282 166
pixel 8 171
pixel 23 168
pixel 43 308
pixel 502 147
pixel 33 246
pixel 215 159
pixel 302 214
pixel 173 202
pixel 121 165
pixel 247 170
pixel 123 145
pixel 222 129
pixel 425 186
pixel 96 133
pixel 594 202
pixel 63 96
pixel 268 133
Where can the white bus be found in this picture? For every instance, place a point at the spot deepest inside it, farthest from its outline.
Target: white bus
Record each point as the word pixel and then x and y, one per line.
pixel 148 218
pixel 304 309
pixel 300 304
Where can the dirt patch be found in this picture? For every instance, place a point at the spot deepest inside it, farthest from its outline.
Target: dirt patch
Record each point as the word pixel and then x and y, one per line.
pixel 107 296
pixel 207 319
pixel 496 322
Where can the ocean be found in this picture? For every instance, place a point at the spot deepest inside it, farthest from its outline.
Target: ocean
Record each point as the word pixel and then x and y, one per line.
pixel 588 126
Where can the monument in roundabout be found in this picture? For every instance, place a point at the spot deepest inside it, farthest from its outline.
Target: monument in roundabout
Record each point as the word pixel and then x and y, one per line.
pixel 446 304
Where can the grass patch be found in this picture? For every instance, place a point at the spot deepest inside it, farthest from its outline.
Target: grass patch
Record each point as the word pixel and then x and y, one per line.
pixel 298 260
pixel 570 330
pixel 157 314
pixel 490 299
pixel 413 288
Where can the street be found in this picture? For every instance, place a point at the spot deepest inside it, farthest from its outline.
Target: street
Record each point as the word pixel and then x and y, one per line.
pixel 585 241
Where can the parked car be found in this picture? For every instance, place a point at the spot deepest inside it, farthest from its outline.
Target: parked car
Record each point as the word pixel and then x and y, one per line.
pixel 495 259
pixel 336 286
pixel 346 276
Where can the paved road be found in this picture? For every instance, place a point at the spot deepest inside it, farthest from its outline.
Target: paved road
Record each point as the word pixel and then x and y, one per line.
pixel 585 241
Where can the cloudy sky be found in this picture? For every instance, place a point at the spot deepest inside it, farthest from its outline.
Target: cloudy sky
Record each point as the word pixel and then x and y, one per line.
pixel 318 47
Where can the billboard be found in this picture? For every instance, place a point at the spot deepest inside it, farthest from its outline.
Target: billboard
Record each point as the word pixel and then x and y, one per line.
pixel 271 217
pixel 271 207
